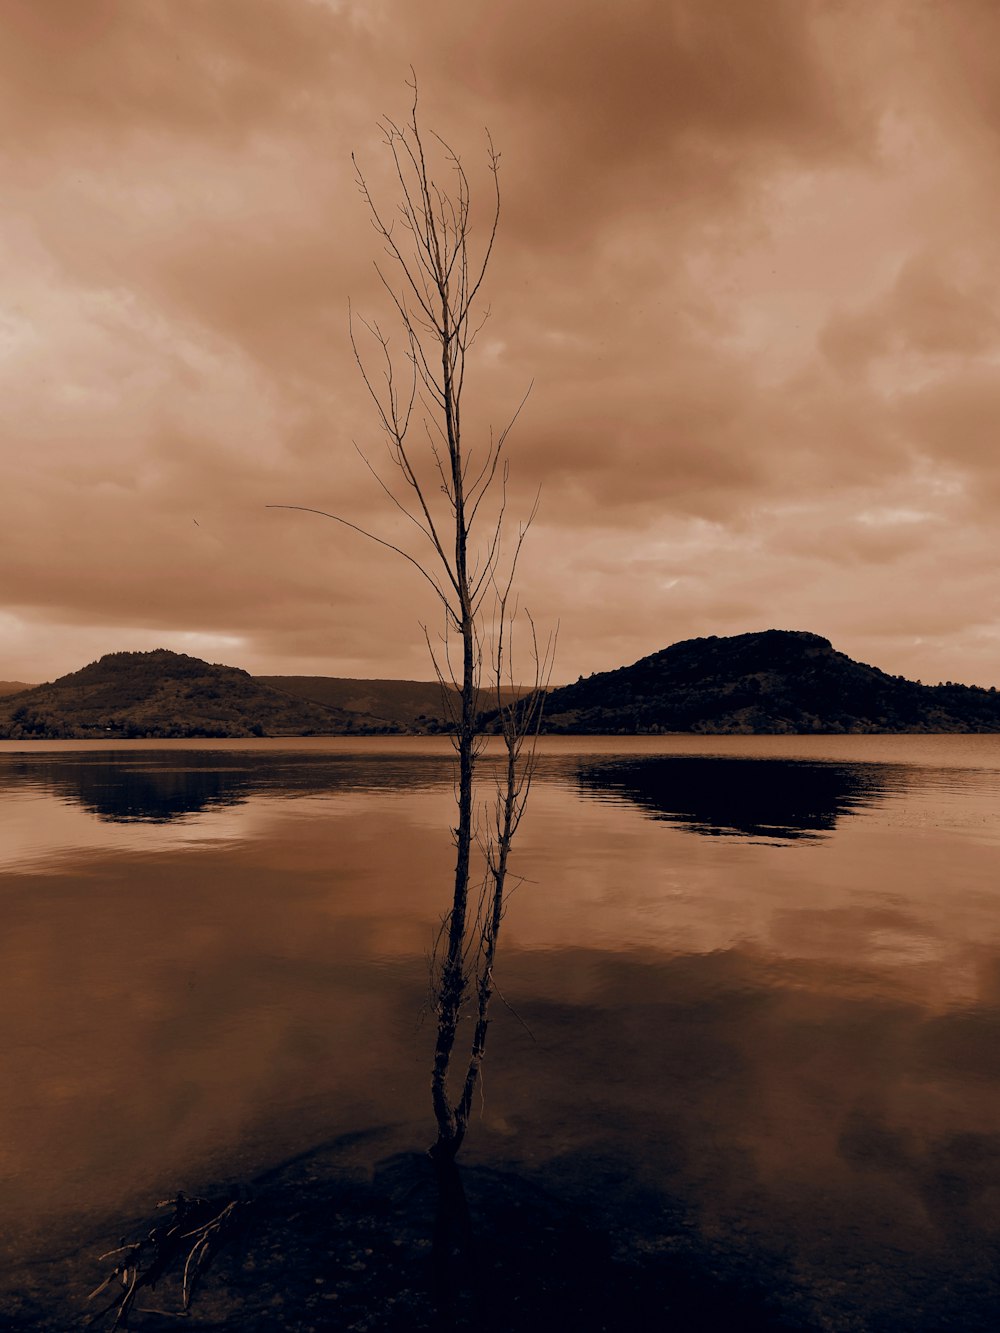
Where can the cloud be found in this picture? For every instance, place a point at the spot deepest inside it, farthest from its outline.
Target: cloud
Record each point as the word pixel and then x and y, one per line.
pixel 94 74
pixel 953 419
pixel 640 107
pixel 746 258
pixel 939 306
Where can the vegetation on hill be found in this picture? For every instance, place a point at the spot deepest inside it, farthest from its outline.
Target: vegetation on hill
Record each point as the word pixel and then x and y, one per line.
pixel 412 704
pixel 164 694
pixel 775 681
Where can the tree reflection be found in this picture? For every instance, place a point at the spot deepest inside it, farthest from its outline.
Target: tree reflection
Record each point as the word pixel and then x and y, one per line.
pixel 777 799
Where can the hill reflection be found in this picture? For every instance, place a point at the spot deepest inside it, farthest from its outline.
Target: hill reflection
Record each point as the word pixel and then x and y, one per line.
pixel 780 799
pixel 157 787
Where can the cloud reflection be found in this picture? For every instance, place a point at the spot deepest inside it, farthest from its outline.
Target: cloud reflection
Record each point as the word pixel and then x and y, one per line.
pixel 793 1053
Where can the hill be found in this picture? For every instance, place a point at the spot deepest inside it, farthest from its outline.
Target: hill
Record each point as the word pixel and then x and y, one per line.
pixel 165 694
pixel 12 687
pixel 775 681
pixel 413 704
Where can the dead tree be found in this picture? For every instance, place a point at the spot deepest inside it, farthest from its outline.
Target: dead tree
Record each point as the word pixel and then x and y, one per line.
pixel 455 497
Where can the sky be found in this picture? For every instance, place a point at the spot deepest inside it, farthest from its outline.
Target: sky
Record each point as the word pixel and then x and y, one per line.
pixel 747 264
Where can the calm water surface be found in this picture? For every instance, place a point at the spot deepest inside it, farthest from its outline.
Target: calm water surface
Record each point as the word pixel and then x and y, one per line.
pixel 758 977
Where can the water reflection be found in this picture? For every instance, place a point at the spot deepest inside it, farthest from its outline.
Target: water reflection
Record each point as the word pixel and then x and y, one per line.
pixel 160 786
pixel 754 798
pixel 786 1060
pixel 797 1119
pixel 758 797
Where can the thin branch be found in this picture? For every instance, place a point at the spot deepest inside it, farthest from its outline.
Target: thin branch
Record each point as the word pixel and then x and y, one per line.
pixel 390 546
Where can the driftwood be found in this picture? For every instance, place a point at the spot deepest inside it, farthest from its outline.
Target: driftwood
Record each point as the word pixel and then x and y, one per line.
pixel 183 1246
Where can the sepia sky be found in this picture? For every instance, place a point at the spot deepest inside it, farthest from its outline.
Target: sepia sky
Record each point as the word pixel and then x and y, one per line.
pixel 748 258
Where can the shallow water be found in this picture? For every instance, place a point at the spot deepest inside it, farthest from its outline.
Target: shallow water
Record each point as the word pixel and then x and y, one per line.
pixel 758 977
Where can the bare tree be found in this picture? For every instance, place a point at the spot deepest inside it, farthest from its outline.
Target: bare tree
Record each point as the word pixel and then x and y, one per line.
pixel 455 497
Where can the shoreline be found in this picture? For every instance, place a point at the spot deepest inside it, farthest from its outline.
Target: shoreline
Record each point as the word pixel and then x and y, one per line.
pixel 331 1243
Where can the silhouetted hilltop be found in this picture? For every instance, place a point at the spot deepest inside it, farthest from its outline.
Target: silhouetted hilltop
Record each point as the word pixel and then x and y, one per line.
pixel 774 681
pixel 163 694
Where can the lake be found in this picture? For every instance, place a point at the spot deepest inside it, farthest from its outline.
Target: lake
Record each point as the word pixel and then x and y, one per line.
pixel 750 992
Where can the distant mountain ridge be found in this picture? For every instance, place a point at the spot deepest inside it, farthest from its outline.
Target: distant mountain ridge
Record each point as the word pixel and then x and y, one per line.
pixel 412 704
pixel 772 681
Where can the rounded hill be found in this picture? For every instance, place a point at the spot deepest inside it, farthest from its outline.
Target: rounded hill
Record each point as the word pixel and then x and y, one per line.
pixel 772 681
pixel 163 694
